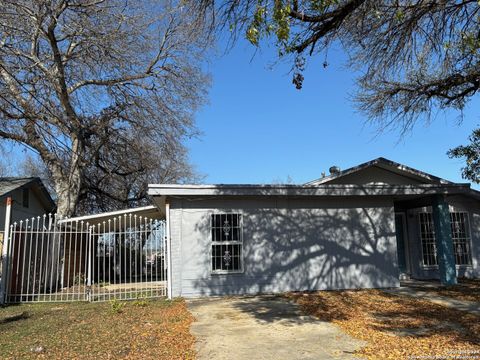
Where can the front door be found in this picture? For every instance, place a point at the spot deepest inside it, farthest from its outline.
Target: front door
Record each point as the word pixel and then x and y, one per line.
pixel 401 234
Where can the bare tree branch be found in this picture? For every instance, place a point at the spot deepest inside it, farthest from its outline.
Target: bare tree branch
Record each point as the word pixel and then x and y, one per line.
pixel 415 57
pixel 85 82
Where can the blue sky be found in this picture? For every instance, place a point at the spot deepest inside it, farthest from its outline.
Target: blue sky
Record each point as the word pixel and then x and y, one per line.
pixel 258 128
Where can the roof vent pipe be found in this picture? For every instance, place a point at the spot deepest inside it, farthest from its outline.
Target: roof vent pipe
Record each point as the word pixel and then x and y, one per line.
pixel 334 170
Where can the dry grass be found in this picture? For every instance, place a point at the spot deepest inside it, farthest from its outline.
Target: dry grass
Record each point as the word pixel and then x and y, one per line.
pixel 132 330
pixel 395 327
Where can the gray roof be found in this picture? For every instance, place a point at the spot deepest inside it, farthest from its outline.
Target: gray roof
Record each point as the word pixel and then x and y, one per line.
pixel 388 165
pixel 309 190
pixel 8 184
pixel 429 185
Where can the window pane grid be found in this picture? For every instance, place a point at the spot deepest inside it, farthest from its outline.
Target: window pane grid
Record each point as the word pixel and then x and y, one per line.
pixel 226 227
pixel 427 236
pixel 460 237
pixel 227 247
pixel 226 257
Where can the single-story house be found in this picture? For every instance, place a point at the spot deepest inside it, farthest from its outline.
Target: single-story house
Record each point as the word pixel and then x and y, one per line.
pixel 365 227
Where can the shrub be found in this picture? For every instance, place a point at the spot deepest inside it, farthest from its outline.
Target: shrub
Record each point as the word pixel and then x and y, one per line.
pixel 141 300
pixel 116 306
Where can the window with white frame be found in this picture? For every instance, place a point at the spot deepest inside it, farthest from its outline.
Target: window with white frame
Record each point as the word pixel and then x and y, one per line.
pixel 227 242
pixel 427 236
pixel 460 238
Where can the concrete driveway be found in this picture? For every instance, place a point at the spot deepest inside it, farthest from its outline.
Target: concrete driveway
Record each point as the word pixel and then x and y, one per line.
pixel 264 327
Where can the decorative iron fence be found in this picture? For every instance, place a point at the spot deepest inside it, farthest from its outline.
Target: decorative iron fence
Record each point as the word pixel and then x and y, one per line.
pixel 53 259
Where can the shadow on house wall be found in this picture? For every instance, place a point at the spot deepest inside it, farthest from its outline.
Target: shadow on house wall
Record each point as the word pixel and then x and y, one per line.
pixel 290 245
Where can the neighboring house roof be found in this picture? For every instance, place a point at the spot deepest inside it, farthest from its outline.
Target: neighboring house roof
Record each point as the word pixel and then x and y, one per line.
pixel 385 164
pixel 9 184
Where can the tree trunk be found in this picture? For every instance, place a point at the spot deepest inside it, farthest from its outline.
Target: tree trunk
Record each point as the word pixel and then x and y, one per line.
pixel 69 181
pixel 67 196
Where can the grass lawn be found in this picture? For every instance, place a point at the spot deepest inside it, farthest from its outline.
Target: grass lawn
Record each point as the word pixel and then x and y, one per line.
pixel 396 327
pixel 137 330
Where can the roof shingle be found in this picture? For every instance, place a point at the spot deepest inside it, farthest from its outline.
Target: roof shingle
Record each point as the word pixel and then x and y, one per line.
pixel 8 184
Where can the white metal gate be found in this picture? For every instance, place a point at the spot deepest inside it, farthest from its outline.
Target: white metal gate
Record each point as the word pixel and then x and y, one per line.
pixel 54 259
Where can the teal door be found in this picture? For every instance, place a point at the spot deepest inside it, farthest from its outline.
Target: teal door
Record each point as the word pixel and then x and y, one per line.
pixel 401 239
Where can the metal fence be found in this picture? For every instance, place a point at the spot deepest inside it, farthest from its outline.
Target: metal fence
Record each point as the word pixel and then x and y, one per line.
pixel 53 259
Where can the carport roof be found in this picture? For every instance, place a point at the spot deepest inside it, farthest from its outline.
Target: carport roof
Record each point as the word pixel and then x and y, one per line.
pixel 150 211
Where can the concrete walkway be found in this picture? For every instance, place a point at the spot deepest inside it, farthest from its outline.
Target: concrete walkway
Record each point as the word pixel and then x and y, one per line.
pixel 264 327
pixel 464 305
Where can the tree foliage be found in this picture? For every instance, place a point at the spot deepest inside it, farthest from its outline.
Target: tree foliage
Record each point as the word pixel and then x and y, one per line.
pixel 414 56
pixel 471 154
pixel 103 91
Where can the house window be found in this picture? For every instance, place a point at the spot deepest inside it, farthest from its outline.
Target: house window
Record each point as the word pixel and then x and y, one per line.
pixel 25 198
pixel 461 238
pixel 227 244
pixel 427 236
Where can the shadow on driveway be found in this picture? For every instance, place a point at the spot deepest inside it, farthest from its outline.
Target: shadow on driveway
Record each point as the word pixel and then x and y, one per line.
pixel 264 327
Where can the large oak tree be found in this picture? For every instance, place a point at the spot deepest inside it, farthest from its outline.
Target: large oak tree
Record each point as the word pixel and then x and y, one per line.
pixel 103 91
